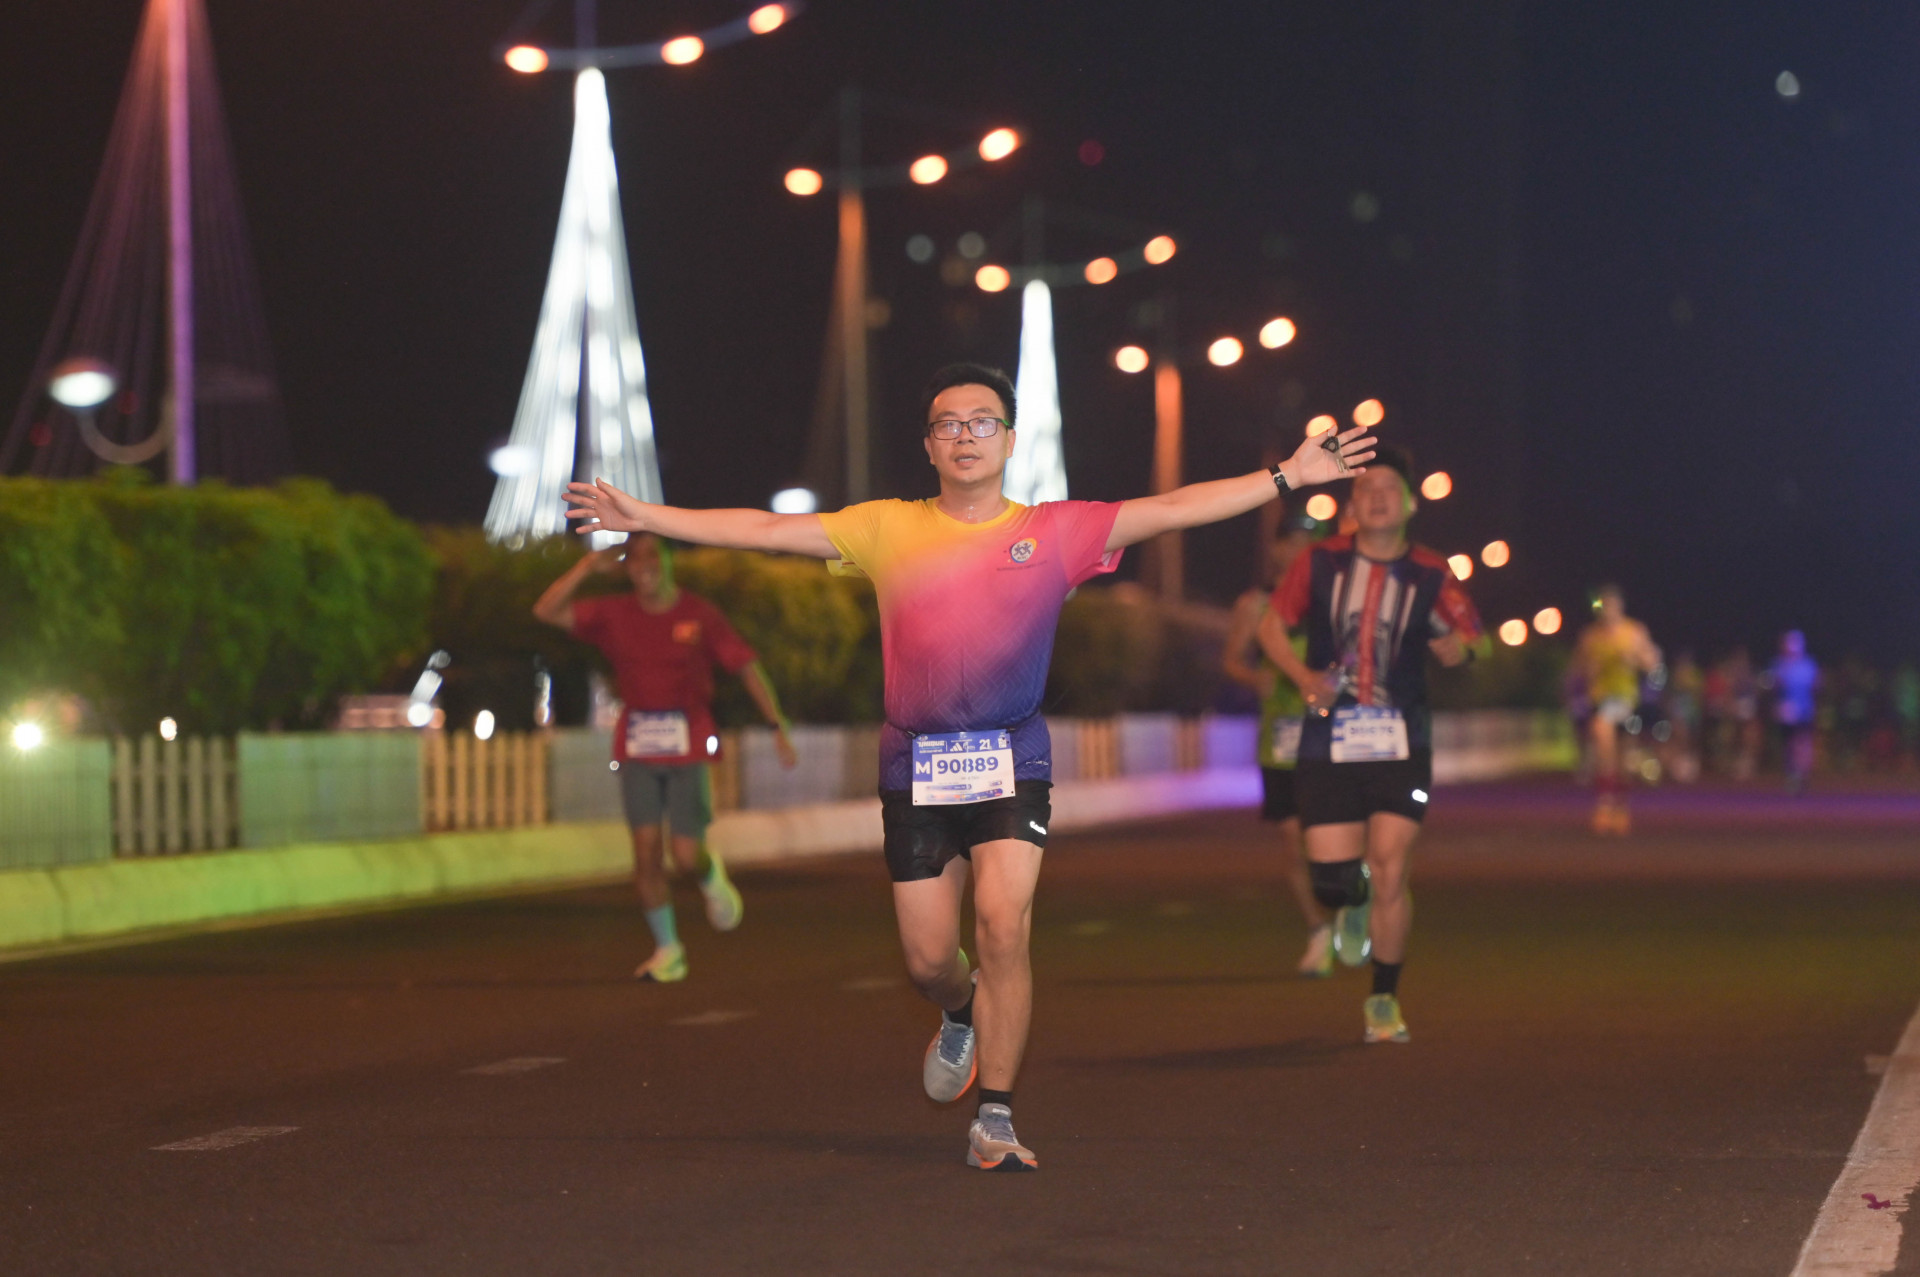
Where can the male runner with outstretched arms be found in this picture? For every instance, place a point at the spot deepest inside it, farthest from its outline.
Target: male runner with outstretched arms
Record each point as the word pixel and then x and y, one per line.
pixel 663 644
pixel 970 587
pixel 1373 606
pixel 1278 745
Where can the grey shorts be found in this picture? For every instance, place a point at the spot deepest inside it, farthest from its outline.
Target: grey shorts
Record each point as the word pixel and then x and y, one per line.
pixel 680 793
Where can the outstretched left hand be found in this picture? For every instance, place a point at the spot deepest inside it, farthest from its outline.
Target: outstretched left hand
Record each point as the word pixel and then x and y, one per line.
pixel 1324 458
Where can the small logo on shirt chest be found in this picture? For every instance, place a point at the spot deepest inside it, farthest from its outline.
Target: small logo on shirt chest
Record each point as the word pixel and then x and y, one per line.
pixel 687 632
pixel 1021 551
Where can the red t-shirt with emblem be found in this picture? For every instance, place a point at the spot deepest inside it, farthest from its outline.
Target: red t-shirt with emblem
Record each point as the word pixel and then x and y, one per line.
pixel 663 661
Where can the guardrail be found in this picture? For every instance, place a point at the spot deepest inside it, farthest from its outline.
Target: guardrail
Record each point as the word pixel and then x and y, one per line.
pixel 75 801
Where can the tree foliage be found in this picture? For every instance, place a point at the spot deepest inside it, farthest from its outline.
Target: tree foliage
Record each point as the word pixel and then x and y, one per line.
pixel 223 608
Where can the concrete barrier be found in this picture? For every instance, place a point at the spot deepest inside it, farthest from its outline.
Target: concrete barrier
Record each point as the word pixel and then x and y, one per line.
pixel 70 904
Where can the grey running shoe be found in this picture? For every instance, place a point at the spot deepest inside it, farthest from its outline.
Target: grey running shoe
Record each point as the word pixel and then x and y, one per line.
pixel 1351 941
pixel 991 1145
pixel 950 1067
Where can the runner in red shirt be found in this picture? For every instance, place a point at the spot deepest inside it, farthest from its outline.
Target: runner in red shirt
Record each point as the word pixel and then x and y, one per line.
pixel 663 644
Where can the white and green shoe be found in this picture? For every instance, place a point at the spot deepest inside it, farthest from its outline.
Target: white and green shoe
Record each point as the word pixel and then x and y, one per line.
pixel 668 964
pixel 1352 943
pixel 1383 1019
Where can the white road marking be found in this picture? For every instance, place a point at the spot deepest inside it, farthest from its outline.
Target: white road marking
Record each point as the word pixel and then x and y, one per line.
pixel 1858 1231
pixel 871 984
pixel 706 1018
pixel 518 1064
pixel 229 1138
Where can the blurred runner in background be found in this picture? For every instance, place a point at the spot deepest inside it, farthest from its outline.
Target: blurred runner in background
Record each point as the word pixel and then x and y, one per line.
pixel 1278 744
pixel 1794 679
pixel 1614 652
pixel 663 644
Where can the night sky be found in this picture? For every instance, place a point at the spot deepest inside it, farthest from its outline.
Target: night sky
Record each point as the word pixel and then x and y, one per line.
pixel 1653 316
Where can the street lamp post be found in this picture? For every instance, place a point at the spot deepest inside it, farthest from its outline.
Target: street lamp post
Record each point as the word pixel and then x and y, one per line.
pixel 848 348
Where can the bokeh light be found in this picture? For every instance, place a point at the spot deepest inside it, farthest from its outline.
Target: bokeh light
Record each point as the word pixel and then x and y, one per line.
pixel 1513 633
pixel 1787 85
pixel 678 52
pixel 1102 270
pixel 483 724
pixel 1276 333
pixel 1225 351
pixel 1369 412
pixel 526 59
pixel 1322 507
pixel 169 729
pixel 28 736
pixel 768 17
pixel 1462 565
pixel 992 279
pixel 1495 554
pixel 999 144
pixel 1320 425
pixel 928 169
pixel 1160 249
pixel 1131 359
pixel 804 181
pixel 1436 486
pixel 1547 621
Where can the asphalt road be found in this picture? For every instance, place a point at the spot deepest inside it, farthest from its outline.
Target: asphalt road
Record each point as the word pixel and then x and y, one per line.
pixel 1637 1057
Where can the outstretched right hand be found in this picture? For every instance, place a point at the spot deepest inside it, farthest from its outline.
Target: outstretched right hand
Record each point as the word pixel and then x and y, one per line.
pixel 601 507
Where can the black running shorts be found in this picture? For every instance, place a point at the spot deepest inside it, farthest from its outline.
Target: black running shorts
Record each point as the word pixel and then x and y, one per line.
pixel 1277 800
pixel 921 840
pixel 1347 793
pixel 679 792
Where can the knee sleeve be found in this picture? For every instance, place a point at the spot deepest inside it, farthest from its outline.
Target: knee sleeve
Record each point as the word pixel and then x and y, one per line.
pixel 1339 884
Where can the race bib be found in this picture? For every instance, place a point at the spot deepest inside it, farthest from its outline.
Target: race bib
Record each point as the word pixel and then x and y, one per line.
pixel 1368 734
pixel 961 767
pixel 658 735
pixel 1285 745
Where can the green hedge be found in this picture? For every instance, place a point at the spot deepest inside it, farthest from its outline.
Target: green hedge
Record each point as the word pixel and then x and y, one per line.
pixel 223 608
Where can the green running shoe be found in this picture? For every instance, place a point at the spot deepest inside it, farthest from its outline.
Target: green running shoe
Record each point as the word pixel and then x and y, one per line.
pixel 1317 962
pixel 668 964
pixel 1383 1019
pixel 1351 942
pixel 724 906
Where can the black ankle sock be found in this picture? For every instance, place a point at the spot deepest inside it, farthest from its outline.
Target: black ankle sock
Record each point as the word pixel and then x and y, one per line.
pixel 1386 977
pixel 996 1097
pixel 964 1015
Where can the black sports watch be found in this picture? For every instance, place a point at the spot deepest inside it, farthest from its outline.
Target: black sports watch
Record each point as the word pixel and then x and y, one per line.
pixel 1280 478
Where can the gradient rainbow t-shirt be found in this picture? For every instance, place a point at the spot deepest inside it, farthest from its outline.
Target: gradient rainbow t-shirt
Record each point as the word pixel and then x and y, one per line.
pixel 967 614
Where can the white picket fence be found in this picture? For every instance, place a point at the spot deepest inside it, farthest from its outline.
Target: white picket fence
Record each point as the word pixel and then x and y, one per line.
pixel 500 783
pixel 174 796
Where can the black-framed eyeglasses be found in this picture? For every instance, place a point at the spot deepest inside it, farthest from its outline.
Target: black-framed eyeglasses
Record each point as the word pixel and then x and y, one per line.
pixel 979 428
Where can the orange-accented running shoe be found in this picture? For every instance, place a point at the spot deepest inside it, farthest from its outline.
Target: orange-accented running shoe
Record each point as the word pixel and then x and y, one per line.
pixel 991 1145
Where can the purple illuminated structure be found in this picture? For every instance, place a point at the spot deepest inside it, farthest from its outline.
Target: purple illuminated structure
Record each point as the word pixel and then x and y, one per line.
pixel 158 348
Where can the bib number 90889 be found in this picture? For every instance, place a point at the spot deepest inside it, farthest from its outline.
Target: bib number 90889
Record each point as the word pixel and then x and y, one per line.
pixel 961 767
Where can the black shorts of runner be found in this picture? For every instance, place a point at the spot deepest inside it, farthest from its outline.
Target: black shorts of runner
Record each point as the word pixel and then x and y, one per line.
pixel 678 792
pixel 1346 793
pixel 921 840
pixel 1277 799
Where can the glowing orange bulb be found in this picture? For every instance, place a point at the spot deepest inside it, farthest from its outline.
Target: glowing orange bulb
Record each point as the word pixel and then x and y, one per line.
pixel 992 279
pixel 1102 270
pixel 685 49
pixel 999 144
pixel 1322 507
pixel 526 59
pixel 1130 359
pixel 1462 565
pixel 804 181
pixel 1495 554
pixel 1547 621
pixel 1436 485
pixel 1369 412
pixel 768 17
pixel 1276 333
pixel 1320 425
pixel 1513 633
pixel 1160 248
pixel 1225 351
pixel 928 169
